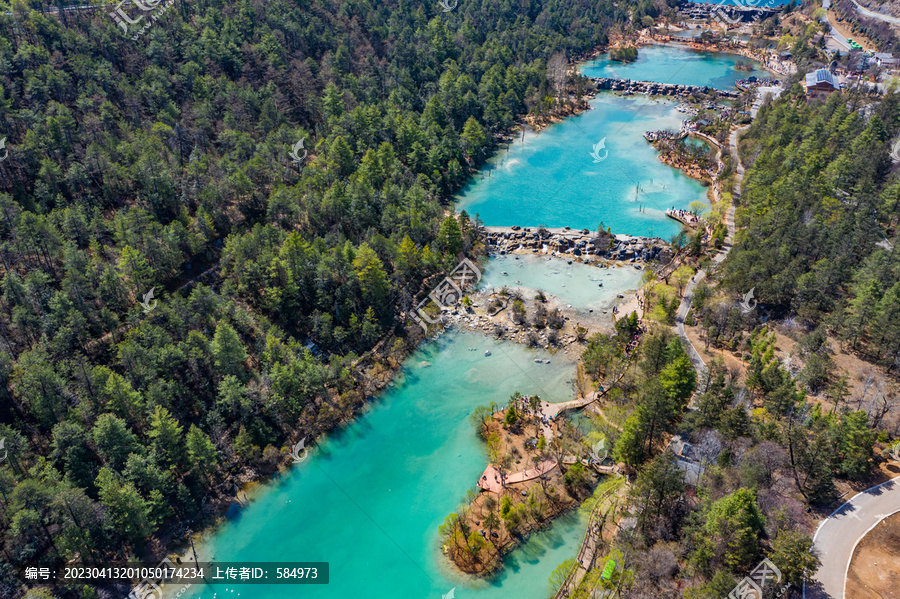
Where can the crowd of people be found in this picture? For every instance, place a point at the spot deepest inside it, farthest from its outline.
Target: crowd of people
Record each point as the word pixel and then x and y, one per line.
pixel 632 345
pixel 664 134
pixel 754 82
pixel 685 216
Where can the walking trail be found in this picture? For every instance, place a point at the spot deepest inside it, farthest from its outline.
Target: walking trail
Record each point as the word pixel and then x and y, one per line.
pixel 593 539
pixel 688 297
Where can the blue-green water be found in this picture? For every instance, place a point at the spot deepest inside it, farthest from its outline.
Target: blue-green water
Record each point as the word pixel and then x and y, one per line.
pixel 676 64
pixel 552 180
pixel 370 499
pixel 576 284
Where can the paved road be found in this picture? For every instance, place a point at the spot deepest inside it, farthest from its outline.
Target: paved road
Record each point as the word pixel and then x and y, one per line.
pixel 864 12
pixel 835 34
pixel 875 15
pixel 838 535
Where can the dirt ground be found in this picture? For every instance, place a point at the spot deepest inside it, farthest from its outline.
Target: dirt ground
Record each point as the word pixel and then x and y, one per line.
pixel 875 566
pixel 844 29
pixel 849 364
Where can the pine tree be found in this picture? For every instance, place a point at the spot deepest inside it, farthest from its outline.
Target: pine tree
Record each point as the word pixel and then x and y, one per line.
pixel 228 351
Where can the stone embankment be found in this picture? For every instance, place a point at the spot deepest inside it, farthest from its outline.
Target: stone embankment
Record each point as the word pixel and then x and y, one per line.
pixel 580 244
pixel 652 88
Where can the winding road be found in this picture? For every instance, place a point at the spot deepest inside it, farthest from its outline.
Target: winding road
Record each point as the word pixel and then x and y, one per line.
pixel 839 534
pixel 874 15
pixel 835 34
pixel 688 297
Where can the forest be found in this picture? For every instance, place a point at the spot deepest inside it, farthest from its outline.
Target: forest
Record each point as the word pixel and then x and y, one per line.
pixel 816 223
pixel 818 206
pixel 205 228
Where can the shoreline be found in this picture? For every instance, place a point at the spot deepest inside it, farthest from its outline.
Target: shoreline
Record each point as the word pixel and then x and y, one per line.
pixel 390 366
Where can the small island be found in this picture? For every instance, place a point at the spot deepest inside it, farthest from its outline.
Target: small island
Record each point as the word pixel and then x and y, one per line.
pixel 624 54
pixel 533 476
pixel 540 464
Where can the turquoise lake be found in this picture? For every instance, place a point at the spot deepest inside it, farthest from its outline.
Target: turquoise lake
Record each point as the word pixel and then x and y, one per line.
pixel 676 64
pixel 551 179
pixel 370 497
pixel 576 284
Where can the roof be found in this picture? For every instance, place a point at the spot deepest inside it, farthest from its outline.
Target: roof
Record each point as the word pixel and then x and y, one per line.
pixel 821 76
pixel 680 447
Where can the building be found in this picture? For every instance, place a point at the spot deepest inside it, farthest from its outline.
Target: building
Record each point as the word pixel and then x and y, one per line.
pixel 821 81
pixel 886 59
pixel 686 459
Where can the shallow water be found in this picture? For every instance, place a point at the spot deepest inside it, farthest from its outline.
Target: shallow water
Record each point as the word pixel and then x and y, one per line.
pixel 370 499
pixel 391 477
pixel 576 284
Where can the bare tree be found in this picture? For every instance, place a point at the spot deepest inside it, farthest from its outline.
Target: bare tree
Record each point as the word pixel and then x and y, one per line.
pixel 558 73
pixel 876 397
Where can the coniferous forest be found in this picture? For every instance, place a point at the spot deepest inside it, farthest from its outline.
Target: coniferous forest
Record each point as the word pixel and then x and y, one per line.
pixel 212 233
pixel 278 175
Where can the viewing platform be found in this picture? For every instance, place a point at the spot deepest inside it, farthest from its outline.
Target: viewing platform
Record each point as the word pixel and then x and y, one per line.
pixel 685 217
pixel 665 135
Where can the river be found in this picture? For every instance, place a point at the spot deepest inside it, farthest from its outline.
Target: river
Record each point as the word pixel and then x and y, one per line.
pixel 370 498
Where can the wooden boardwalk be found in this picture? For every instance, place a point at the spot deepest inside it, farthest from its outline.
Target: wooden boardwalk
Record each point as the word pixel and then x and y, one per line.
pixel 683 217
pixel 492 480
pixel 593 538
